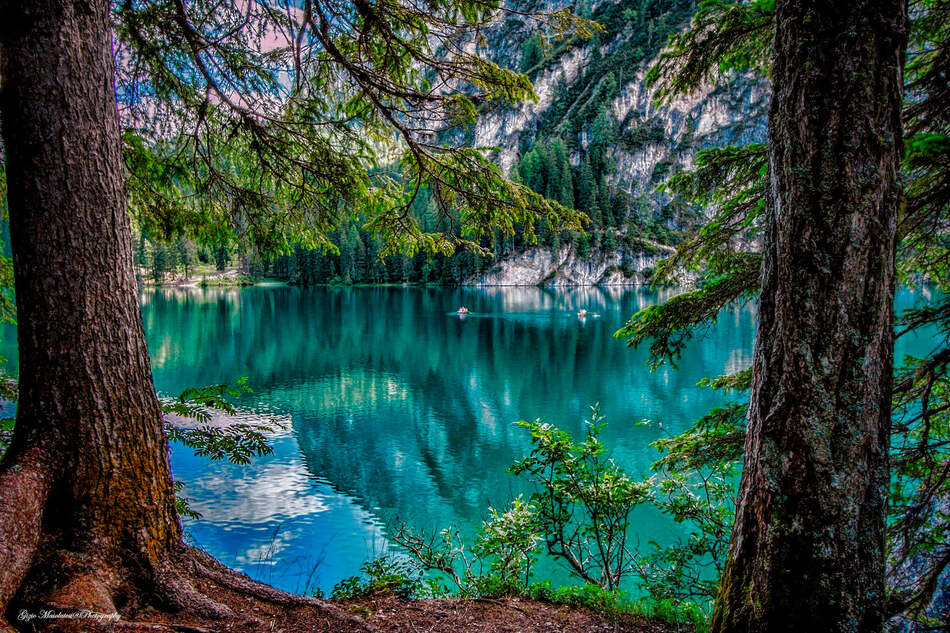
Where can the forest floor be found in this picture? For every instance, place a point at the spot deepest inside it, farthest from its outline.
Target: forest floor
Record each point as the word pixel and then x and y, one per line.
pixel 391 614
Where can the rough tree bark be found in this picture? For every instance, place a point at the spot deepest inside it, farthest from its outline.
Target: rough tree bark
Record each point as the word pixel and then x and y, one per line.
pixel 807 549
pixel 87 406
pixel 87 510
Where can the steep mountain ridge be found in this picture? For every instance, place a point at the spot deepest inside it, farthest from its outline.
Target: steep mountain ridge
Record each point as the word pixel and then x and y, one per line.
pixel 593 97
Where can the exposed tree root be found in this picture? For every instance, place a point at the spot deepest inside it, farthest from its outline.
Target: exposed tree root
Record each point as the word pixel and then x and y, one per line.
pixel 190 589
pixel 25 484
pixel 190 592
pixel 175 586
pixel 208 567
pixel 82 591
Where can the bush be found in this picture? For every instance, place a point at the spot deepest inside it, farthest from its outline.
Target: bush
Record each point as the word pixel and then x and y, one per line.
pixel 580 514
pixel 388 575
pixel 499 564
pixel 584 500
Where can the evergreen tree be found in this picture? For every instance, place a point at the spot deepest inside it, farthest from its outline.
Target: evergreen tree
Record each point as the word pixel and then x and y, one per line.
pixel 586 187
pixel 815 477
pixel 222 257
pixel 735 180
pixel 359 254
pixel 563 190
pixel 141 251
pixel 532 52
pixel 88 504
pixel 161 261
pixel 187 254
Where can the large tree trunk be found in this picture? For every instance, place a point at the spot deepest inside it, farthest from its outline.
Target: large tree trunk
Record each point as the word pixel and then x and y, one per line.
pixel 87 412
pixel 807 550
pixel 87 507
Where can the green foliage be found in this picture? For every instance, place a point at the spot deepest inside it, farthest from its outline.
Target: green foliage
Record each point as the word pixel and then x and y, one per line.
pixel 182 508
pixel 388 574
pixel 221 257
pixel 723 36
pixel 237 442
pixel 669 326
pixel 161 262
pixel 918 513
pixel 923 248
pixel 7 298
pixel 532 52
pixel 195 402
pixel 187 254
pixel 618 604
pixel 687 572
pixel 509 540
pixel 635 138
pixel 260 128
pixel 9 390
pixel 498 564
pixel 716 438
pixel 6 434
pixel 546 169
pixel 731 181
pixel 584 501
pixel 739 381
pixel 580 516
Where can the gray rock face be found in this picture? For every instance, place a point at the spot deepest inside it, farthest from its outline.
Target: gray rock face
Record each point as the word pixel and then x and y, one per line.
pixel 544 267
pixel 651 142
pixel 734 115
pixel 730 113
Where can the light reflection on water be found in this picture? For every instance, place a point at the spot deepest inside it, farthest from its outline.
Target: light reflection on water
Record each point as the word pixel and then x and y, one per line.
pixel 398 410
pixel 395 409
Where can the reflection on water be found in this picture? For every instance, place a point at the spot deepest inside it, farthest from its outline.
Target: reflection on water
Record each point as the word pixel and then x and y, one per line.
pixel 396 409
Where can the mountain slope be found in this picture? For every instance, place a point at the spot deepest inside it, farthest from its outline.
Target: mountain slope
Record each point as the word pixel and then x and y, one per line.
pixel 593 102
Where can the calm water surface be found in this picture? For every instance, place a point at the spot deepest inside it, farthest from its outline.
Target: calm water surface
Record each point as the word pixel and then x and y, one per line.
pixel 394 409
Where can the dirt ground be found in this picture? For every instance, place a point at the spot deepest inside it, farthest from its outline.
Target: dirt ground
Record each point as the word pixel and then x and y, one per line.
pixel 385 614
pixel 512 615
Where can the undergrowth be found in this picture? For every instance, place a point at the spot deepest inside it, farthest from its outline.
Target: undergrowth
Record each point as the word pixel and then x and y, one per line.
pixel 405 578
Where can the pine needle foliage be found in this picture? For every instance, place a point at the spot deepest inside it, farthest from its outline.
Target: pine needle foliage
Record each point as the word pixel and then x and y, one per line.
pixel 269 124
pixel 723 36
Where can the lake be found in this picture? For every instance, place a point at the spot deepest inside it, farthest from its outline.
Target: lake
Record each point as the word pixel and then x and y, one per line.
pixel 393 409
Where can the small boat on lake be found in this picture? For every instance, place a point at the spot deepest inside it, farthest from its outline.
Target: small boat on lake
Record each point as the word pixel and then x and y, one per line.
pixel 582 314
pixel 462 311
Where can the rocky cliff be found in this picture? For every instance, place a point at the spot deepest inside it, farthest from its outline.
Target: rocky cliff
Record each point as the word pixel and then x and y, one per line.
pixel 586 87
pixel 653 141
pixel 544 266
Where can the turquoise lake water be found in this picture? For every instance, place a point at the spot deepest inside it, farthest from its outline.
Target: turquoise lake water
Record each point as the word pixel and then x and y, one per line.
pixel 394 409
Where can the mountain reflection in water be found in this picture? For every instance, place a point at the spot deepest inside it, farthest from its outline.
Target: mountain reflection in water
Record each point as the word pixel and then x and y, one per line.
pixel 395 409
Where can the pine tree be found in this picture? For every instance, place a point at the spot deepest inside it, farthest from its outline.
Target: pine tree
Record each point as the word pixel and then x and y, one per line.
pixel 187 254
pixel 532 52
pixel 222 257
pixel 586 187
pixel 161 261
pixel 563 192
